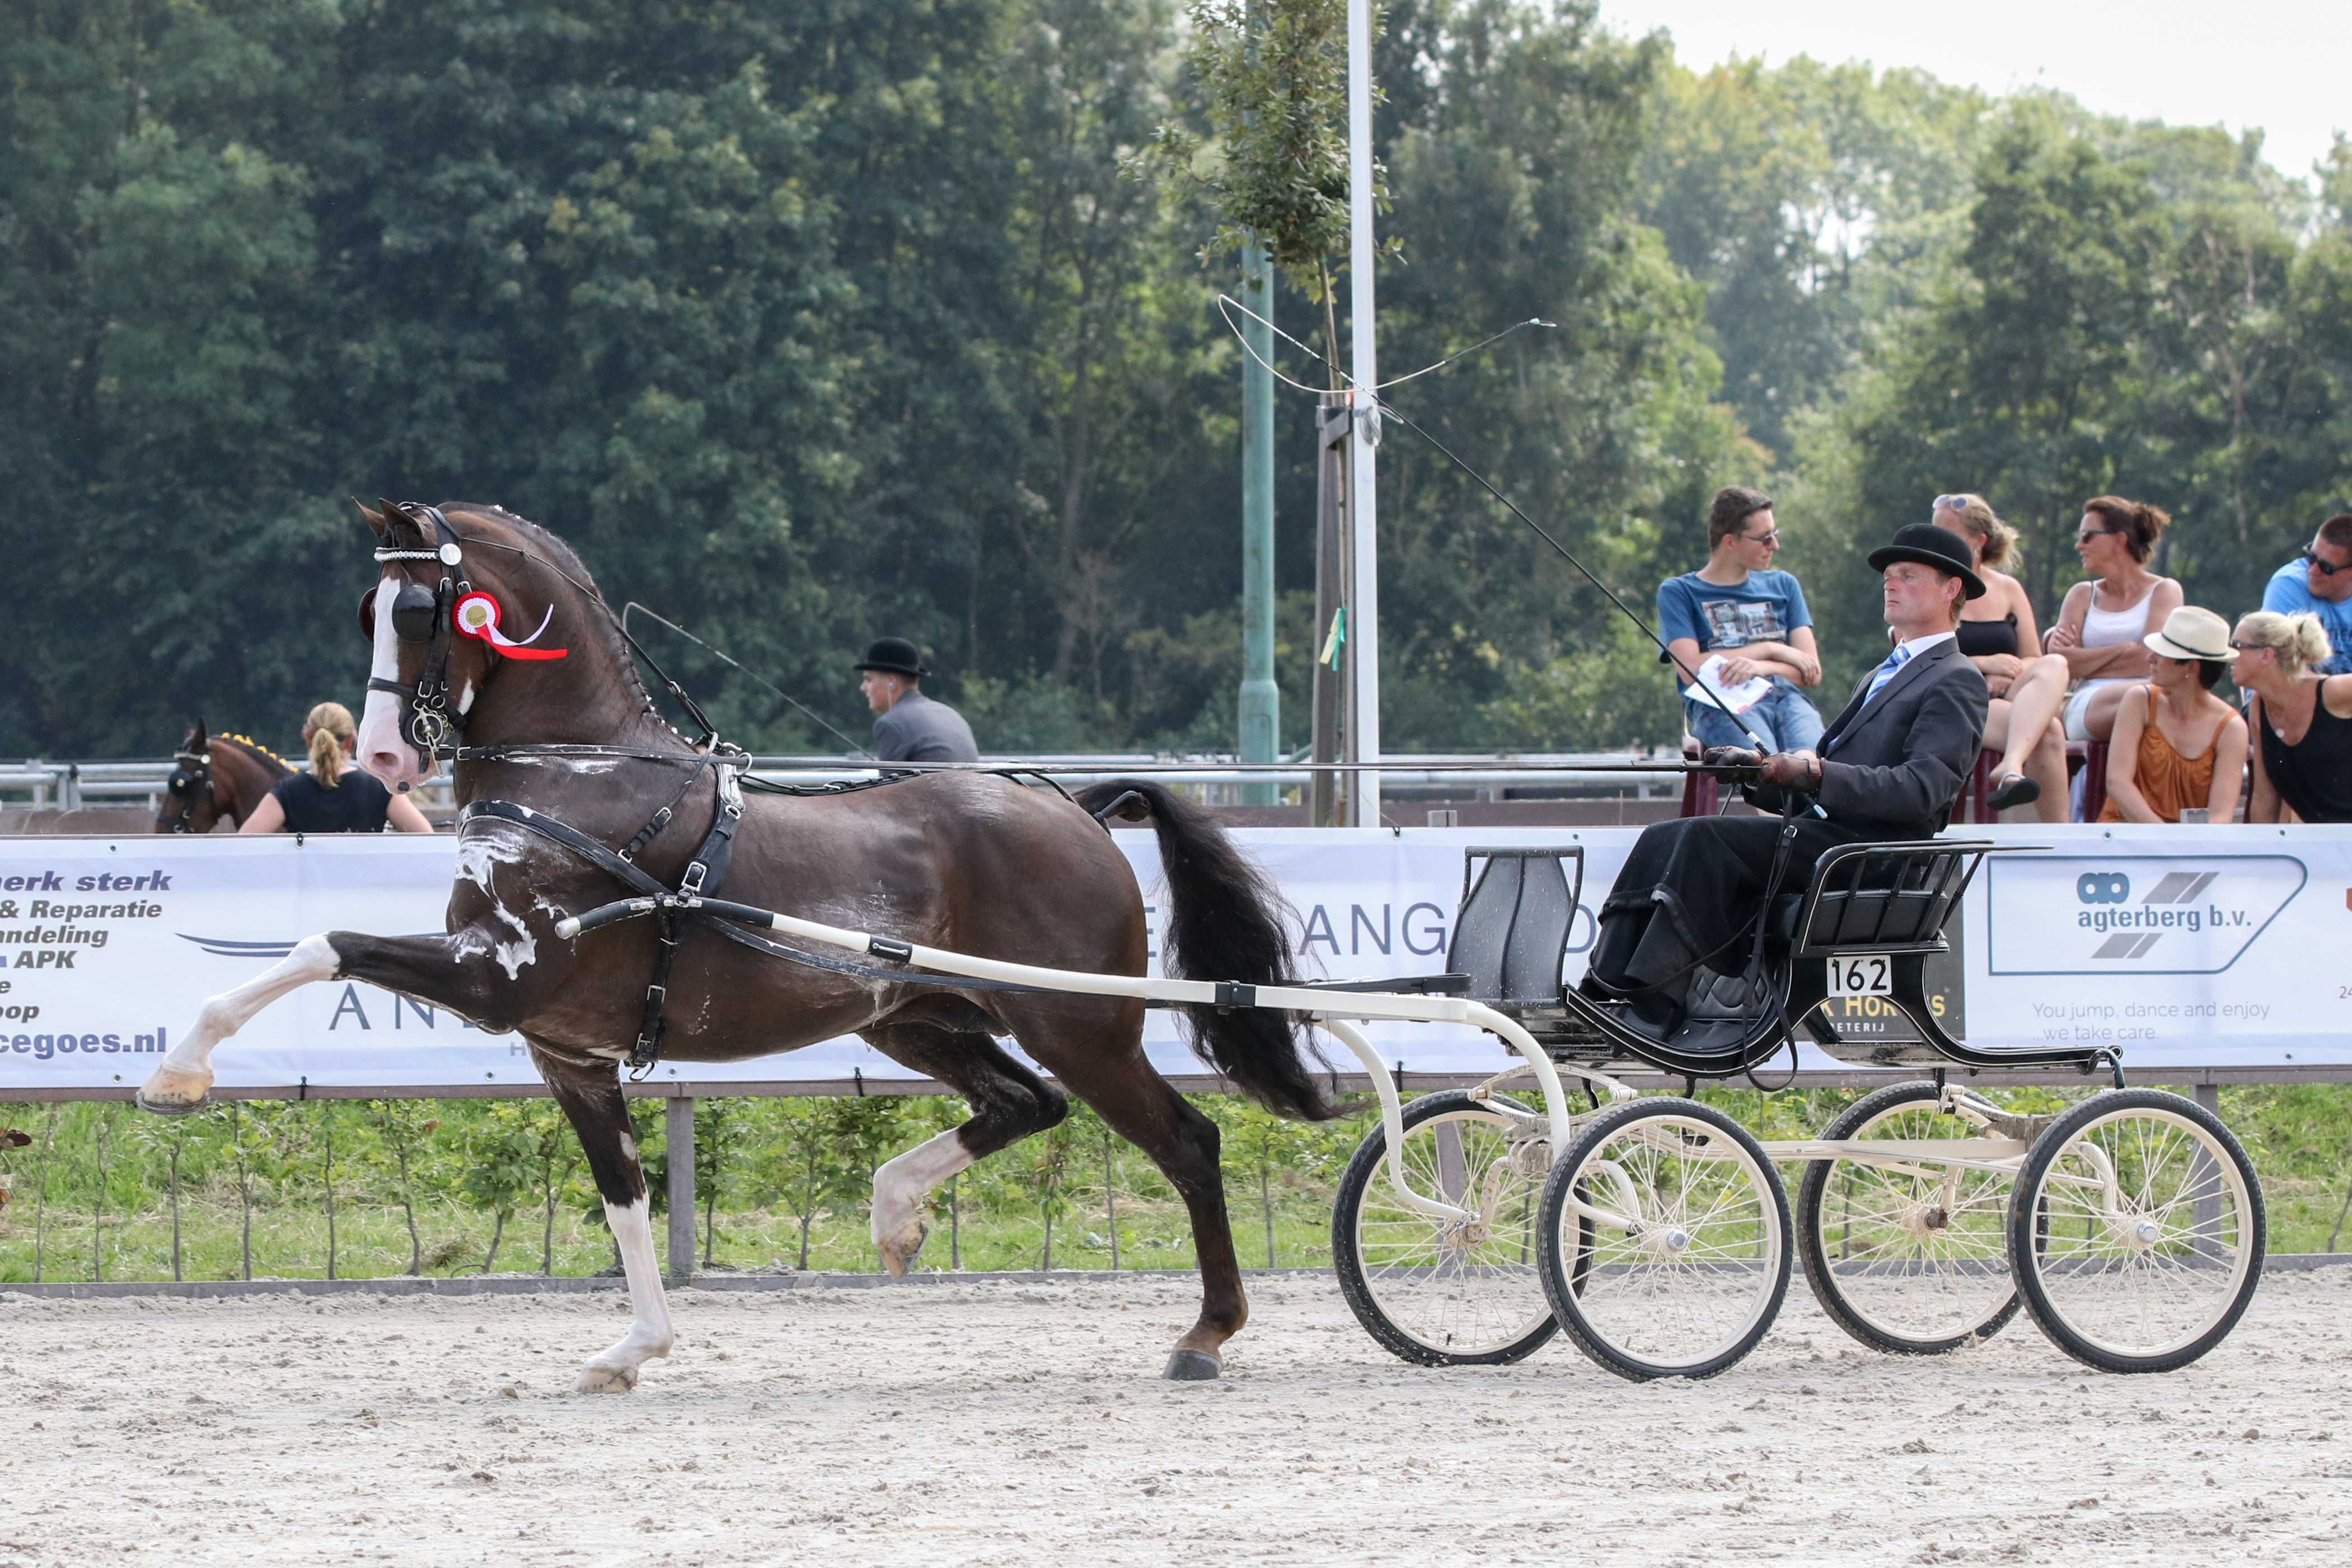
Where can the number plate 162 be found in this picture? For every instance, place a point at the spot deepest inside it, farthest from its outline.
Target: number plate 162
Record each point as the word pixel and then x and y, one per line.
pixel 1862 974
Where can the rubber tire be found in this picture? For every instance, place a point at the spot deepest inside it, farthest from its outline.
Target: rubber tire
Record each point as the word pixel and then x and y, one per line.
pixel 1356 1289
pixel 1562 1290
pixel 1814 1192
pixel 2028 1228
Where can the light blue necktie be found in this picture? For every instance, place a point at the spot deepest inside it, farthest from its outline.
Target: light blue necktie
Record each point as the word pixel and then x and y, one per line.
pixel 1894 661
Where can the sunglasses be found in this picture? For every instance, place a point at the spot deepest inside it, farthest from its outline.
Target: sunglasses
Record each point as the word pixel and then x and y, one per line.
pixel 2237 646
pixel 2311 558
pixel 1950 503
pixel 1770 541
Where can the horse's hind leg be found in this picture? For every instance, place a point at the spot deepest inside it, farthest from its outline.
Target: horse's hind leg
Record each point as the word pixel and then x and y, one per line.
pixel 451 971
pixel 1008 1102
pixel 592 1099
pixel 1102 1063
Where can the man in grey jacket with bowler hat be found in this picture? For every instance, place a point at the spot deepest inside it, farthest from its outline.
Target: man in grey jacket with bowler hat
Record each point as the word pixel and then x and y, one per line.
pixel 910 727
pixel 1889 766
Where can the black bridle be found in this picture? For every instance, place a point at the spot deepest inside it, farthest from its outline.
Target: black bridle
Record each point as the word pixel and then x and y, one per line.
pixel 421 614
pixel 191 780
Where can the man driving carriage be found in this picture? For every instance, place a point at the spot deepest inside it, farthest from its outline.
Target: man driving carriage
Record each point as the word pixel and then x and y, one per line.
pixel 1889 766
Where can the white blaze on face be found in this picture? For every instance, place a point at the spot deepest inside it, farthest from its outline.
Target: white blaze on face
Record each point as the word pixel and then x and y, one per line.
pixel 383 751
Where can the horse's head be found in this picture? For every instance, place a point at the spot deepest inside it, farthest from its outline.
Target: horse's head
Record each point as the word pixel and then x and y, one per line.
pixel 453 605
pixel 190 804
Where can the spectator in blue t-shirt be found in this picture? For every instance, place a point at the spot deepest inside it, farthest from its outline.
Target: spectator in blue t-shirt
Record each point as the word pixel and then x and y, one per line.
pixel 1736 606
pixel 2319 582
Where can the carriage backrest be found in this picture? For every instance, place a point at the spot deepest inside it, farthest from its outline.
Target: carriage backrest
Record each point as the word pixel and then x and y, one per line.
pixel 1886 897
pixel 1510 933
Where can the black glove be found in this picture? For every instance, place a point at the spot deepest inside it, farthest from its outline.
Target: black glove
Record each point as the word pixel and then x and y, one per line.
pixel 1736 764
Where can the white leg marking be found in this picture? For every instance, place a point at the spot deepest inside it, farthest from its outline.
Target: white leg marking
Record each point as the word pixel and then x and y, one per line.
pixel 382 750
pixel 899 1189
pixel 616 1371
pixel 183 1077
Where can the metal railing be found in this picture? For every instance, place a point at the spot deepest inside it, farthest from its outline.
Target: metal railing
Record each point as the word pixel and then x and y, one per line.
pixel 72 785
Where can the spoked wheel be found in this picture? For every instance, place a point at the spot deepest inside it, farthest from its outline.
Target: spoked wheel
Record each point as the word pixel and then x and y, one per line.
pixel 1910 1256
pixel 2136 1232
pixel 1664 1239
pixel 1439 1291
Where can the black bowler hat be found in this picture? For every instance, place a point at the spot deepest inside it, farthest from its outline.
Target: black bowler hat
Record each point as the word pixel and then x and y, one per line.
pixel 1931 546
pixel 894 656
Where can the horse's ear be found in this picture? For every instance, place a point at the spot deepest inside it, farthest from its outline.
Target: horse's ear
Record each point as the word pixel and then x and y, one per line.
pixel 197 740
pixel 378 523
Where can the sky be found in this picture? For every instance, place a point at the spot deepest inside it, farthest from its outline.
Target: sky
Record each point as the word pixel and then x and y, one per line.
pixel 2285 65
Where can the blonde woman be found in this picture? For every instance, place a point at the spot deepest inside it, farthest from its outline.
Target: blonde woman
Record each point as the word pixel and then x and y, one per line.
pixel 2302 720
pixel 2176 744
pixel 2102 624
pixel 2028 689
pixel 332 796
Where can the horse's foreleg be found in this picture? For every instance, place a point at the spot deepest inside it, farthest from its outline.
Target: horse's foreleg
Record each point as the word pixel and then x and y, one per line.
pixel 591 1100
pixel 453 972
pixel 183 1079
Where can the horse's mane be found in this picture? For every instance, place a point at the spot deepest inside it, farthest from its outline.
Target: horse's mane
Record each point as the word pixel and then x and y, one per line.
pixel 252 745
pixel 564 558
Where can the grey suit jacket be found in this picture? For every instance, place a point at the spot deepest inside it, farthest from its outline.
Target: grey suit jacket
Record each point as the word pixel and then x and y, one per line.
pixel 1893 768
pixel 920 729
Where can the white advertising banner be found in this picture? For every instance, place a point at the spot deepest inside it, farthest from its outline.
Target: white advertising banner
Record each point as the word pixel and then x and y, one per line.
pixel 2206 947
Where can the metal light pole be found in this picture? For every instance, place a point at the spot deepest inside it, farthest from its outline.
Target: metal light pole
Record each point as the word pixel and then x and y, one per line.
pixel 1363 729
pixel 1261 699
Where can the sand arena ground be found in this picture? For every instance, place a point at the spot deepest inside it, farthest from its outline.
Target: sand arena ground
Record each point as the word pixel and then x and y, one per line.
pixel 1023 1424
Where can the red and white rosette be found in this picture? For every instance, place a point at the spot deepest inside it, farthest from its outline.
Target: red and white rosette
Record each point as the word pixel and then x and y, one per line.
pixel 477 615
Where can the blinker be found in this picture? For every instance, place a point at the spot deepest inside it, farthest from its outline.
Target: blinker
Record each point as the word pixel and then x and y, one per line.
pixel 413 612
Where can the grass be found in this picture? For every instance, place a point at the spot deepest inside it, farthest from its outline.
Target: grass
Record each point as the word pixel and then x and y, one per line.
pixel 107 1212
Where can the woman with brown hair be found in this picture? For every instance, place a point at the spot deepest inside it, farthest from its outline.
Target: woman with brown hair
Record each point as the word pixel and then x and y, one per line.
pixel 2303 764
pixel 2102 624
pixel 2177 746
pixel 332 796
pixel 2028 688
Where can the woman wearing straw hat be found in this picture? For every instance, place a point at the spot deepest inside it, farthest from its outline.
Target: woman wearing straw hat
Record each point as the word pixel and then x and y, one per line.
pixel 2177 745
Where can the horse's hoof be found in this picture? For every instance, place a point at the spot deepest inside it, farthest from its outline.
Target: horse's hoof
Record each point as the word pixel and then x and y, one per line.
pixel 1192 1366
pixel 606 1380
pixel 166 1107
pixel 899 1252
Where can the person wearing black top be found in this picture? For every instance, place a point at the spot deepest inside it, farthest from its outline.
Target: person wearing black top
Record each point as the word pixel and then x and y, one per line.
pixel 2307 778
pixel 332 796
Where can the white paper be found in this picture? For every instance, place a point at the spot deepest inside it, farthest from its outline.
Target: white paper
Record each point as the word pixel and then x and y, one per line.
pixel 1739 699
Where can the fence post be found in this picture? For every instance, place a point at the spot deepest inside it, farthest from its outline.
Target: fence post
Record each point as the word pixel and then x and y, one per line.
pixel 679 1112
pixel 2205 1182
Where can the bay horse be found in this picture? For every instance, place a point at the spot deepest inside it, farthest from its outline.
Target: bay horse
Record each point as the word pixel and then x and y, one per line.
pixel 215 779
pixel 561 729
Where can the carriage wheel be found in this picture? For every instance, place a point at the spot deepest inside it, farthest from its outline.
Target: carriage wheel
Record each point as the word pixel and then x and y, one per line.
pixel 1912 1260
pixel 2136 1232
pixel 1443 1293
pixel 1664 1239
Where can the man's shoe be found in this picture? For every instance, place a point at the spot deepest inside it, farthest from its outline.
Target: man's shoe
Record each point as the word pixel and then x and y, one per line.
pixel 2016 790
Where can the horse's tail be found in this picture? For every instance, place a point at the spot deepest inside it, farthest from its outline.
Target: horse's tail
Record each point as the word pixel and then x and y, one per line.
pixel 1224 922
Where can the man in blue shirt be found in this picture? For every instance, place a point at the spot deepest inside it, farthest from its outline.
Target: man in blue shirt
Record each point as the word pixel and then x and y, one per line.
pixel 2320 581
pixel 1738 606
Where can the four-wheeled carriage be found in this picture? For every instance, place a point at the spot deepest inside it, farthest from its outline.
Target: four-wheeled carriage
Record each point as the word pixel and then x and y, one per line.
pixel 1473 1225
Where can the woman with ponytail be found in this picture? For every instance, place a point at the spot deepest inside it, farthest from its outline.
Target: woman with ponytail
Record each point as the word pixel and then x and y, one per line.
pixel 332 796
pixel 2302 719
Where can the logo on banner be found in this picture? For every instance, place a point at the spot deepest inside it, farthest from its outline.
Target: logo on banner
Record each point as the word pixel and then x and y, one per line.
pixel 2133 914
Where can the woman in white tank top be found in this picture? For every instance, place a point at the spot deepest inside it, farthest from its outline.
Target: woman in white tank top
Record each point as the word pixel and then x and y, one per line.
pixel 2102 622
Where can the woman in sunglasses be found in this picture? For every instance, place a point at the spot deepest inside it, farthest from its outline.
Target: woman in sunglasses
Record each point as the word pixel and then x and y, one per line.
pixel 2027 689
pixel 2102 621
pixel 2176 744
pixel 2302 720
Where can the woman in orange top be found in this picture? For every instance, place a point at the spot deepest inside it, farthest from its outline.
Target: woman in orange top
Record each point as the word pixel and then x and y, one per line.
pixel 2176 744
